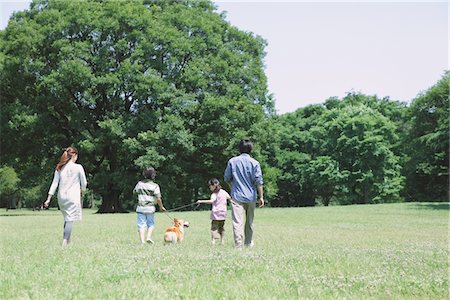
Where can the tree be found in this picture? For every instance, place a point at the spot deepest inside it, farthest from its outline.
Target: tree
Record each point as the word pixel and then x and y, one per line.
pixel 9 182
pixel 360 140
pixel 125 82
pixel 428 144
pixel 326 178
pixel 297 147
pixel 342 150
pixel 294 188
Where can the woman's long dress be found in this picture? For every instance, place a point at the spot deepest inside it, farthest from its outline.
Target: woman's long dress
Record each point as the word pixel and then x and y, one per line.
pixel 69 181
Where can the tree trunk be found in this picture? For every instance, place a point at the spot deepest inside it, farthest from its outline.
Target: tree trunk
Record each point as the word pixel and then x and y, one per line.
pixel 358 197
pixel 196 197
pixel 111 196
pixel 366 193
pixel 12 202
pixel 111 203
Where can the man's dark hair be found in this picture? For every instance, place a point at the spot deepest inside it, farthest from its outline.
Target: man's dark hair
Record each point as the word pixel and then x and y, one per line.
pixel 245 146
pixel 149 173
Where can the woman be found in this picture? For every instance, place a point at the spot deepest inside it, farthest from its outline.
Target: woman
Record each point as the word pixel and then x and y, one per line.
pixel 70 179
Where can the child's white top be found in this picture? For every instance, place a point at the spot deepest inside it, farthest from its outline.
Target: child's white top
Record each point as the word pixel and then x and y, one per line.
pixel 219 205
pixel 148 192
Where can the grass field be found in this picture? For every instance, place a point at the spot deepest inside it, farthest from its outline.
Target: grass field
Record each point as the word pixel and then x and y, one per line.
pixel 388 251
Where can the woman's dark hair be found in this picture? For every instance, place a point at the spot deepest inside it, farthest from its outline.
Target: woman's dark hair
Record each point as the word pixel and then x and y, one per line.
pixel 245 146
pixel 66 157
pixel 149 173
pixel 214 181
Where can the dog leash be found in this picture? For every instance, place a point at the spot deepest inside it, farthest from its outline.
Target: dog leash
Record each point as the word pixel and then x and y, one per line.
pixel 177 208
pixel 171 219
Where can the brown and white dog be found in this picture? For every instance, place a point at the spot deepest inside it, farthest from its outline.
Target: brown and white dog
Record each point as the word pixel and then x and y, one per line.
pixel 175 234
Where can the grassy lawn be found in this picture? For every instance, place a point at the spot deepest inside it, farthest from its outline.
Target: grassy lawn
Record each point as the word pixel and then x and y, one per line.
pixel 388 251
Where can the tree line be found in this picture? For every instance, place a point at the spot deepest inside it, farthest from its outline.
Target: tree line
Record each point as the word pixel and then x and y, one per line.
pixel 173 85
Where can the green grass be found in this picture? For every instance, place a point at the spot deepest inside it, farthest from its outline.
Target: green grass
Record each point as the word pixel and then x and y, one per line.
pixel 389 251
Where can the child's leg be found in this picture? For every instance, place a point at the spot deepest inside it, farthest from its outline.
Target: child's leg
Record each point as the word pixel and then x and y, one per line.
pixel 214 231
pixel 222 232
pixel 150 226
pixel 67 232
pixel 149 234
pixel 141 224
pixel 142 234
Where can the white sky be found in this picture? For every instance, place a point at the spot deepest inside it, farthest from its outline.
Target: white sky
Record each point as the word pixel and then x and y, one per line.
pixel 321 49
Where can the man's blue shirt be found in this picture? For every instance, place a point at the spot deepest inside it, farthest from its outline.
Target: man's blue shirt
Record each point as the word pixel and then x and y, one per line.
pixel 244 173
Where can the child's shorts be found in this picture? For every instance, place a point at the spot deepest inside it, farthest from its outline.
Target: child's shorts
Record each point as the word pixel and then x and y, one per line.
pixel 145 220
pixel 217 228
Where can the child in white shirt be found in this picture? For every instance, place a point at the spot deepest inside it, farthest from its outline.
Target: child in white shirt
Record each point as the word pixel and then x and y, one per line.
pixel 149 194
pixel 218 200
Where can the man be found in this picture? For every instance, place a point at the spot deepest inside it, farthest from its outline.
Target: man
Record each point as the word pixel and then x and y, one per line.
pixel 243 174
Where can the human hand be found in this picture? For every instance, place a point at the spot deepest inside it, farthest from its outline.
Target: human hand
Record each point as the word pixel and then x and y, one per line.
pixel 46 203
pixel 162 208
pixel 261 202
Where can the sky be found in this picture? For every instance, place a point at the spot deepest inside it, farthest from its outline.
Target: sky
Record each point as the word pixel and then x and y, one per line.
pixel 316 50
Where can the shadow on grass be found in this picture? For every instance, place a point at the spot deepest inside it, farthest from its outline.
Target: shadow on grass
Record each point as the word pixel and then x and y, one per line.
pixel 435 206
pixel 28 212
pixel 25 215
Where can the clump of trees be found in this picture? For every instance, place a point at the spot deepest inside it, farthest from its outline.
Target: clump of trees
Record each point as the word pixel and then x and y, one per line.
pixel 362 149
pixel 172 84
pixel 342 151
pixel 426 145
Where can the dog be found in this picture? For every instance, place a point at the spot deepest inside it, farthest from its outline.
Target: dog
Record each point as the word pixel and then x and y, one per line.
pixel 175 234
